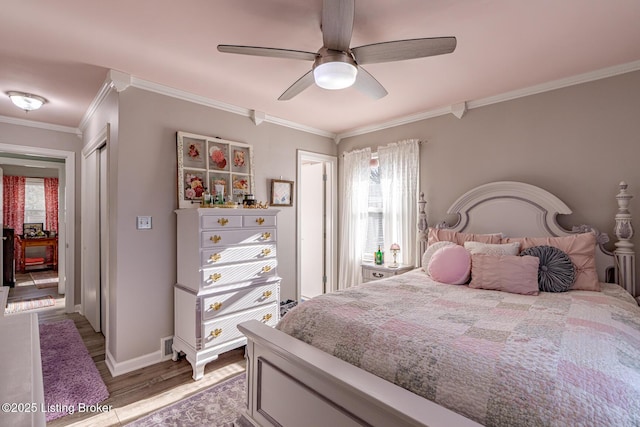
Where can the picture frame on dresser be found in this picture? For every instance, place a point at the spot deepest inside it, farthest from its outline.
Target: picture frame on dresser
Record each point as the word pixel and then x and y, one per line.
pixel 207 163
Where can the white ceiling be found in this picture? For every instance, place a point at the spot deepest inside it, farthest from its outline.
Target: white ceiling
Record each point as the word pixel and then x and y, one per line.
pixel 63 50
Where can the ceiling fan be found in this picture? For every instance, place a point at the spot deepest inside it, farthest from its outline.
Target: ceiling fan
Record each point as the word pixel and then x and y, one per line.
pixel 336 65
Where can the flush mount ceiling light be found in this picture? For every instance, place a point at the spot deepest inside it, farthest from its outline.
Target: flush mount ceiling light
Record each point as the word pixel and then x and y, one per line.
pixel 26 101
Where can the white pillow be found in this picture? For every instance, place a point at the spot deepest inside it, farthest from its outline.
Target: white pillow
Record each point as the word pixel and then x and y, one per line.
pixel 476 248
pixel 431 249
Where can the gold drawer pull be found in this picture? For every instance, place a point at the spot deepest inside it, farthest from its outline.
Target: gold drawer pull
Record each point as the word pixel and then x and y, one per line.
pixel 266 251
pixel 215 257
pixel 267 294
pixel 215 277
pixel 215 238
pixel 266 235
pixel 215 333
pixel 267 317
pixel 223 221
pixel 216 306
pixel 266 269
pixel 260 221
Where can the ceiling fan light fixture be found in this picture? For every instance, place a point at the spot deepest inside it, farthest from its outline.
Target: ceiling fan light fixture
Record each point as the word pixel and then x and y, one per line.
pixel 335 75
pixel 26 101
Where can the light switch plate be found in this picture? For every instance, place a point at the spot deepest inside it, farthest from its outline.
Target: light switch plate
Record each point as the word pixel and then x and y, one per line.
pixel 144 223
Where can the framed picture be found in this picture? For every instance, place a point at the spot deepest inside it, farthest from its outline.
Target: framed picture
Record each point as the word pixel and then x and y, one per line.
pixel 281 193
pixel 207 163
pixel 31 229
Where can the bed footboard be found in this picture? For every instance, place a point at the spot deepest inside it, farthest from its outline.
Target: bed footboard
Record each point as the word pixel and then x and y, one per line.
pixel 290 383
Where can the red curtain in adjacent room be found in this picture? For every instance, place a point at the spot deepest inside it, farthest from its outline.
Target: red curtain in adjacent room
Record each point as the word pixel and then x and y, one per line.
pixel 51 204
pixel 13 208
pixel 51 208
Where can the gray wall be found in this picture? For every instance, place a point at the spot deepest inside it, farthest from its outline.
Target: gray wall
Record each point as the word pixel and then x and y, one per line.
pixel 577 142
pixel 143 171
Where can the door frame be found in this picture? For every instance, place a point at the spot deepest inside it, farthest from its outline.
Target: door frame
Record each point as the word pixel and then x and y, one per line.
pixel 331 221
pixel 66 216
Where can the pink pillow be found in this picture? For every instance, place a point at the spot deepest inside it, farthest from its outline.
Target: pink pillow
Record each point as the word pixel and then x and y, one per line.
pixel 451 265
pixel 439 235
pixel 508 273
pixel 581 248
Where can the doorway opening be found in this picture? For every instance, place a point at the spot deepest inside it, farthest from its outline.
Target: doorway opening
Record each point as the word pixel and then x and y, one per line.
pixel 317 224
pixel 64 163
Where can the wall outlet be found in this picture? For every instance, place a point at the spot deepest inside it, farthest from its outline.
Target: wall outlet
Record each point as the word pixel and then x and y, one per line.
pixel 144 223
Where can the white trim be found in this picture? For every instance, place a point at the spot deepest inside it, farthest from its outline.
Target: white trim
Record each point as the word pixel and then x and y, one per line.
pixel 40 125
pixel 208 102
pixel 66 219
pixel 97 100
pixel 507 96
pixel 120 78
pixel 120 368
pixel 100 139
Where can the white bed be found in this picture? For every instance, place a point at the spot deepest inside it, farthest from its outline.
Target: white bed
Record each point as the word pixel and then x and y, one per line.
pixel 291 383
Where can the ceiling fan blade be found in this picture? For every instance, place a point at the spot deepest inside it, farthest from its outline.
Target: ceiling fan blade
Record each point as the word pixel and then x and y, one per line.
pixel 403 49
pixel 368 85
pixel 337 24
pixel 301 84
pixel 267 51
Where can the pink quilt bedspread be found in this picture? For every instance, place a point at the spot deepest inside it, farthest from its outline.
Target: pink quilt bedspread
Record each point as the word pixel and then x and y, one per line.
pixel 501 359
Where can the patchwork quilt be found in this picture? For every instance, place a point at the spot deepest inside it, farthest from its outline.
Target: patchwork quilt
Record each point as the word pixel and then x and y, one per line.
pixel 501 359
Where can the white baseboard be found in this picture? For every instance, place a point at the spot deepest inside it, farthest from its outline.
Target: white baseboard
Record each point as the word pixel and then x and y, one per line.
pixel 119 368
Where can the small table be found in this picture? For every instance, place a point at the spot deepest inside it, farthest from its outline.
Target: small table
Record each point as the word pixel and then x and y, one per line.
pixel 39 241
pixel 372 271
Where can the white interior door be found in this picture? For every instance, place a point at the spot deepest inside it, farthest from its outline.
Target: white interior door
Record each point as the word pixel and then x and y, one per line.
pixel 312 229
pixel 90 239
pixel 317 215
pixel 103 241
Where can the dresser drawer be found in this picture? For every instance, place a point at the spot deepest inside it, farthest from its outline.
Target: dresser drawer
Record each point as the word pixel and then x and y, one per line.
pixel 234 273
pixel 258 221
pixel 236 300
pixel 220 221
pixel 223 329
pixel 211 239
pixel 225 255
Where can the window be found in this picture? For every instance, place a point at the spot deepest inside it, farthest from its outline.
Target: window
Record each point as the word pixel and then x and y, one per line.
pixel 375 235
pixel 34 205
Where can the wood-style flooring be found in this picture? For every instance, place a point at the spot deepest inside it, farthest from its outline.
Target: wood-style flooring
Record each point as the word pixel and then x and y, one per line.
pixel 138 393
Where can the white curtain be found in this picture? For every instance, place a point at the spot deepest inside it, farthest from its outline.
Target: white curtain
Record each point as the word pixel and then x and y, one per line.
pixel 355 206
pixel 399 169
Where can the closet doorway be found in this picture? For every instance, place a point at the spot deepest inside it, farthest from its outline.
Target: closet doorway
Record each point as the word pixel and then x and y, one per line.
pixel 95 233
pixel 63 165
pixel 317 224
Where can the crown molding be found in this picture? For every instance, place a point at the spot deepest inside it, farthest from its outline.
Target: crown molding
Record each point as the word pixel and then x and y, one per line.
pixel 557 84
pixel 121 81
pixel 208 102
pixel 507 96
pixel 40 125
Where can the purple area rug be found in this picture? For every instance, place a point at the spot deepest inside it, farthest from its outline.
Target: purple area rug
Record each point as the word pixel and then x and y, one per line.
pixel 70 377
pixel 218 406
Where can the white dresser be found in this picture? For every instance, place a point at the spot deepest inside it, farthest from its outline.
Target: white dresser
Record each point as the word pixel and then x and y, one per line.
pixel 227 274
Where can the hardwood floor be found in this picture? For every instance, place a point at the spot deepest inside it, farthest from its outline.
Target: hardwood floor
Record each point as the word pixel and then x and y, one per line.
pixel 140 392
